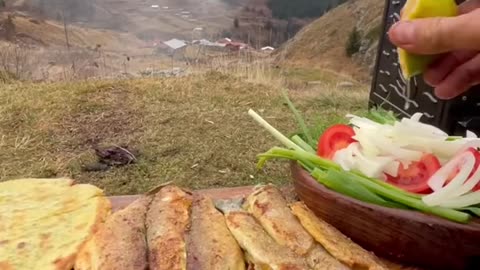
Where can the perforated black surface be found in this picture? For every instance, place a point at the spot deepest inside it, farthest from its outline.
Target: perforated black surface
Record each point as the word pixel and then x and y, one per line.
pixel 389 88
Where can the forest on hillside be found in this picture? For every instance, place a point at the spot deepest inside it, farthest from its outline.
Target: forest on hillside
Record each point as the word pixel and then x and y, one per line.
pixel 284 9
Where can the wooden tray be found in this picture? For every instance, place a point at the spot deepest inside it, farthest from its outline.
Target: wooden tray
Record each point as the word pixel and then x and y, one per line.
pixel 120 202
pixel 405 236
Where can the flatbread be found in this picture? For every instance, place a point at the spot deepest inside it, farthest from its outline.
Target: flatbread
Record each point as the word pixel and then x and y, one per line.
pixel 44 222
pixel 336 243
pixel 120 243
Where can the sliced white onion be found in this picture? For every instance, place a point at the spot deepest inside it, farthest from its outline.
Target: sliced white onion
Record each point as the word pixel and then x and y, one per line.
pixel 369 167
pixel 366 141
pixel 416 117
pixel 469 184
pixel 466 161
pixel 345 159
pixel 388 148
pixel 437 180
pixel 470 143
pixel 362 122
pixel 423 129
pixel 471 134
pixel 352 158
pixel 463 201
pixel 392 168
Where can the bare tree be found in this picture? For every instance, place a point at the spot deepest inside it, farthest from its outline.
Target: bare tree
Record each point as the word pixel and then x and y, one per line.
pixel 67 39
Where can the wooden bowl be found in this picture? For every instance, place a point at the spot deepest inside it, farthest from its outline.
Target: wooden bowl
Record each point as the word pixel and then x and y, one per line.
pixel 404 236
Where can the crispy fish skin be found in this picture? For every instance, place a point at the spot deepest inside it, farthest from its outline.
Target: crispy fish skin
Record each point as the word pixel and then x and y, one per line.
pixel 167 220
pixel 119 243
pixel 336 243
pixel 261 249
pixel 210 245
pixel 268 205
pixel 319 259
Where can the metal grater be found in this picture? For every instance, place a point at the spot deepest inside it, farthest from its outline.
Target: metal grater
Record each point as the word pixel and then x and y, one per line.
pixel 389 89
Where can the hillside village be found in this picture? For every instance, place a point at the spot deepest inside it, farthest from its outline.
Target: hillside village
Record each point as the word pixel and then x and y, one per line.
pixel 147 77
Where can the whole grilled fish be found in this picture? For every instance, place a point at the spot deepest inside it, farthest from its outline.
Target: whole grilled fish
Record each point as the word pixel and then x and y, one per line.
pixel 210 245
pixel 268 205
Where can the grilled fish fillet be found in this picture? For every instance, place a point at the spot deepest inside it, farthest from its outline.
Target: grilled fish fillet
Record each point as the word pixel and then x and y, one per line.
pixel 210 245
pixel 167 220
pixel 261 249
pixel 268 205
pixel 119 243
pixel 270 208
pixel 337 244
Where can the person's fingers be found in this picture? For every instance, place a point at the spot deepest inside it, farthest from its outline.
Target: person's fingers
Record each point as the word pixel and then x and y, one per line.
pixel 437 72
pixel 438 35
pixel 468 6
pixel 465 7
pixel 460 80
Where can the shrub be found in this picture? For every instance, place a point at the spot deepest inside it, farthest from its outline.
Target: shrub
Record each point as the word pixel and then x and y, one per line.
pixel 353 42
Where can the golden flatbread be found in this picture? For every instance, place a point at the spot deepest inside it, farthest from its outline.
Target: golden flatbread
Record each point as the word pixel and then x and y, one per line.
pixel 44 222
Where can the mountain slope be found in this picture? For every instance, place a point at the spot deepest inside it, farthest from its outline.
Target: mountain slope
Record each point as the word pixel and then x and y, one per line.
pixel 322 43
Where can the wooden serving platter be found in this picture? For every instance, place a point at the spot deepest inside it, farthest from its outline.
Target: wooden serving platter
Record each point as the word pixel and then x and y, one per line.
pixel 120 202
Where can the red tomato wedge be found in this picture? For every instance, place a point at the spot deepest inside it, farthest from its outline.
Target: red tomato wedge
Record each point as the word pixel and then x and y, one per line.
pixel 415 177
pixel 476 155
pixel 333 139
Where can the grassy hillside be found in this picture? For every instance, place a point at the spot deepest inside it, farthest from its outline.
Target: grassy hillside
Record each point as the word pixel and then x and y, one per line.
pixel 322 44
pixel 51 33
pixel 192 130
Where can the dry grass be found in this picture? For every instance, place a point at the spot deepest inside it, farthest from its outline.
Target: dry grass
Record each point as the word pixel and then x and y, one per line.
pixel 193 130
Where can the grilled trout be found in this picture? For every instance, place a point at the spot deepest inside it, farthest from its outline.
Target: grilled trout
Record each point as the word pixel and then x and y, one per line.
pixel 167 221
pixel 119 243
pixel 268 205
pixel 336 243
pixel 210 245
pixel 262 251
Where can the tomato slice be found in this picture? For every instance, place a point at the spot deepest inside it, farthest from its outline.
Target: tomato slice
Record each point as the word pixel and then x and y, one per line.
pixel 333 139
pixel 415 177
pixel 476 155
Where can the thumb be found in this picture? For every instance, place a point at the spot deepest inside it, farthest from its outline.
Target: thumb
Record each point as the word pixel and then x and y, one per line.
pixel 438 35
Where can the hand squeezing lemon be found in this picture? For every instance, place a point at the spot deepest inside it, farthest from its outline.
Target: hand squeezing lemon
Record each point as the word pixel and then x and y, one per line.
pixel 414 64
pixel 442 41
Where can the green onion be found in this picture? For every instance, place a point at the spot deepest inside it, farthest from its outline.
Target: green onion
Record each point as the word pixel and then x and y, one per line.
pixel 296 139
pixel 299 119
pixel 344 185
pixel 382 116
pixel 474 210
pixel 277 134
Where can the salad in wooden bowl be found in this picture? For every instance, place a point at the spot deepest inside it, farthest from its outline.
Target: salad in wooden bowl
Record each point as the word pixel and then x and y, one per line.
pixel 402 188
